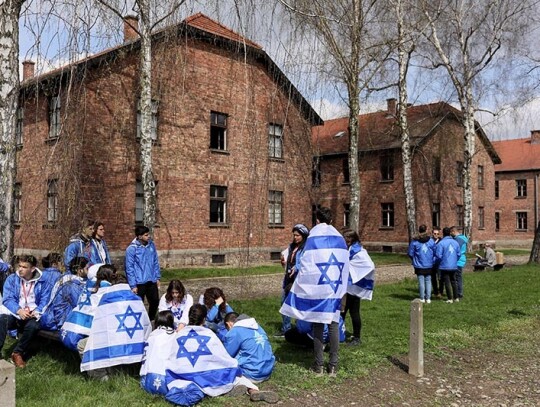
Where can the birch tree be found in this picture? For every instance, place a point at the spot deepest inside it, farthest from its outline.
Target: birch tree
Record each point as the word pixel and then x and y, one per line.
pixel 10 11
pixel 349 31
pixel 466 36
pixel 149 19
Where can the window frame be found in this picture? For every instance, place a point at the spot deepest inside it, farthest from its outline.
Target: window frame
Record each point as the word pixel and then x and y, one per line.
pixel 459 173
pixel 436 173
pixel 346 214
pixel 218 196
pixel 497 191
pixel 52 200
pixel 139 197
pixel 275 208
pixel 521 221
pixel 387 215
pixel 19 127
pixel 218 131
pixel 346 172
pixel 436 214
pixel 460 216
pixel 481 217
pixel 497 221
pixel 386 167
pixel 275 141
pixel 54 117
pixel 17 202
pixel 521 188
pixel 480 177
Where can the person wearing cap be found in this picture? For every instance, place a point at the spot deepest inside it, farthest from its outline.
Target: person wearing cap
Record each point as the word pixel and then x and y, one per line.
pixel 294 252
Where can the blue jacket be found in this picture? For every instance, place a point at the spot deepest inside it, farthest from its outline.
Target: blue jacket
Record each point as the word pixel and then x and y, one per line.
pixel 4 267
pixel 95 257
pixel 12 292
pixel 447 253
pixel 462 241
pixel 421 252
pixel 248 343
pixel 64 298
pixel 142 263
pixel 78 247
pixel 50 276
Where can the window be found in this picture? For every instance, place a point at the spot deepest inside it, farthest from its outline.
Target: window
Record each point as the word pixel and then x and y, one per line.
pixel 387 167
pixel 460 215
pixel 153 122
pixel 521 220
pixel 436 214
pixel 436 170
pixel 316 172
pixel 52 200
pixel 387 210
pixel 496 189
pixel 139 201
pixel 346 177
pixel 497 221
pixel 346 214
pixel 54 117
pixel 17 202
pixel 275 207
pixel 481 177
pixel 218 259
pixel 521 186
pixel 275 141
pixel 19 127
pixel 314 214
pixel 459 173
pixel 218 131
pixel 481 224
pixel 218 204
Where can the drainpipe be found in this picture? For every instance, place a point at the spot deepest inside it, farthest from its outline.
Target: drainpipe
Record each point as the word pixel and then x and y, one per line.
pixel 536 200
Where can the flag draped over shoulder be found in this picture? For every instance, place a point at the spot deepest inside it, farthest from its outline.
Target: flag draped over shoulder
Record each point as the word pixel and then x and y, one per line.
pixel 119 329
pixel 322 278
pixel 361 272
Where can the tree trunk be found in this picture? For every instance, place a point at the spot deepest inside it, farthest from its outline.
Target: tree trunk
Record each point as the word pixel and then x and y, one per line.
pixel 145 82
pixel 535 251
pixel 9 94
pixel 469 151
pixel 354 110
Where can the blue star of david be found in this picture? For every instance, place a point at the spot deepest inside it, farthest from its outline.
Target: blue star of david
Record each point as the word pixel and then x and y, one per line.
pixel 84 300
pixel 325 278
pixel 202 349
pixel 122 322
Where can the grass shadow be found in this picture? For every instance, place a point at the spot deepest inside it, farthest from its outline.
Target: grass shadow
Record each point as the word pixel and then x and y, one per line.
pixel 398 363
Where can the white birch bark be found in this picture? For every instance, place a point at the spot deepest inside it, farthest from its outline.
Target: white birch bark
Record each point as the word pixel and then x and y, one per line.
pixel 9 93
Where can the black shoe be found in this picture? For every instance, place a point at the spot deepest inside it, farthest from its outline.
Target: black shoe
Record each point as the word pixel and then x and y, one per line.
pixel 270 397
pixel 331 370
pixel 355 341
pixel 318 370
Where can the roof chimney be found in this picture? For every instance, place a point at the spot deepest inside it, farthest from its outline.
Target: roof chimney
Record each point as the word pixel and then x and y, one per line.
pixel 28 69
pixel 391 105
pixel 131 25
pixel 535 136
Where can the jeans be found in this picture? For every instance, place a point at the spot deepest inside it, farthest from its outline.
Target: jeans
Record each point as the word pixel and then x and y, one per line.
pixel 318 343
pixel 151 292
pixel 459 281
pixel 450 283
pixel 286 324
pixel 28 328
pixel 424 286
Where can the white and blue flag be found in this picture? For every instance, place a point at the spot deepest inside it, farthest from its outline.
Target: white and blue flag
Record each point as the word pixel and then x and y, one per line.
pixel 156 356
pixel 119 329
pixel 361 272
pixel 322 278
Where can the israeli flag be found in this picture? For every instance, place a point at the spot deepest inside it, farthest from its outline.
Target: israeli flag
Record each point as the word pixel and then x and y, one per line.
pixel 322 278
pixel 119 329
pixel 156 356
pixel 361 272
pixel 199 358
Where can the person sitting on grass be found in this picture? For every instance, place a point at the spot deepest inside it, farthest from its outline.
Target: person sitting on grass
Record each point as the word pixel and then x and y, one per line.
pixel 247 341
pixel 217 307
pixel 178 301
pixel 23 302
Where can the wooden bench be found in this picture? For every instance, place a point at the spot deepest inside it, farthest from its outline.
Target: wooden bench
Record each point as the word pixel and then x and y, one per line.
pixel 482 267
pixel 51 335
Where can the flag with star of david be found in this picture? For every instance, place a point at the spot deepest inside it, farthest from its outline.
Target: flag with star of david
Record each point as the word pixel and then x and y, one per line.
pixel 157 353
pixel 119 329
pixel 322 277
pixel 361 272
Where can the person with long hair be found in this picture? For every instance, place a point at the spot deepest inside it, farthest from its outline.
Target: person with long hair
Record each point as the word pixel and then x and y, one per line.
pixel 178 301
pixel 294 252
pixel 216 306
pixel 99 250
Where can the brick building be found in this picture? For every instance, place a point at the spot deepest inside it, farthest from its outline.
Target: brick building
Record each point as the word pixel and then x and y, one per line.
pixel 516 190
pixel 437 144
pixel 232 148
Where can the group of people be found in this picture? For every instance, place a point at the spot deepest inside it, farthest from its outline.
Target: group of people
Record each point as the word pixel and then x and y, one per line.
pixel 438 262
pixel 326 275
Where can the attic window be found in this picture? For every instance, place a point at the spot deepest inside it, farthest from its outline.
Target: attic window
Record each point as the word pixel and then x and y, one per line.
pixel 339 134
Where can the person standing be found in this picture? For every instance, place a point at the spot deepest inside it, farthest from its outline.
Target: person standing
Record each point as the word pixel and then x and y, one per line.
pixel 319 287
pixel 462 241
pixel 447 253
pixel 421 252
pixel 142 269
pixel 436 280
pixel 100 251
pixel 80 245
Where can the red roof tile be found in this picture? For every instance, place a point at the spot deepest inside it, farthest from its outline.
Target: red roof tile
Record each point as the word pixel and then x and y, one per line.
pixel 517 155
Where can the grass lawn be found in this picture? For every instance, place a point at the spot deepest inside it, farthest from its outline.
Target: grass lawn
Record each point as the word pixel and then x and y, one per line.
pixel 494 302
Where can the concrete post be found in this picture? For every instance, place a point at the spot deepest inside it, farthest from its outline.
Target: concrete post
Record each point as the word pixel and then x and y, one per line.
pixel 416 340
pixel 7 384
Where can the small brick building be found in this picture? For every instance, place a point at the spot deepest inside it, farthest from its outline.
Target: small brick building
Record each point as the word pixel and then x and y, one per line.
pixel 437 144
pixel 516 190
pixel 232 151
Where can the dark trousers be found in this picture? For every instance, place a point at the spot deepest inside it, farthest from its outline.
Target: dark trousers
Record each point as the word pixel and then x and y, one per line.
pixel 318 343
pixel 151 292
pixel 437 281
pixel 297 338
pixel 352 304
pixel 27 329
pixel 450 283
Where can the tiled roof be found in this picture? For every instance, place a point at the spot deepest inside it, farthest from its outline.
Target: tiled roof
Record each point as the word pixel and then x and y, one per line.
pixel 517 155
pixel 205 23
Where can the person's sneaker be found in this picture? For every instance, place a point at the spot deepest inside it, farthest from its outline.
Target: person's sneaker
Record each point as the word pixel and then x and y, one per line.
pixel 354 341
pixel 270 397
pixel 449 301
pixel 18 360
pixel 318 370
pixel 422 300
pixel 238 391
pixel 279 334
pixel 456 300
pixel 428 301
pixel 331 370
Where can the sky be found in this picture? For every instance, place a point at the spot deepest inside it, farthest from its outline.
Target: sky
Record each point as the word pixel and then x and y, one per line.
pixel 270 29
